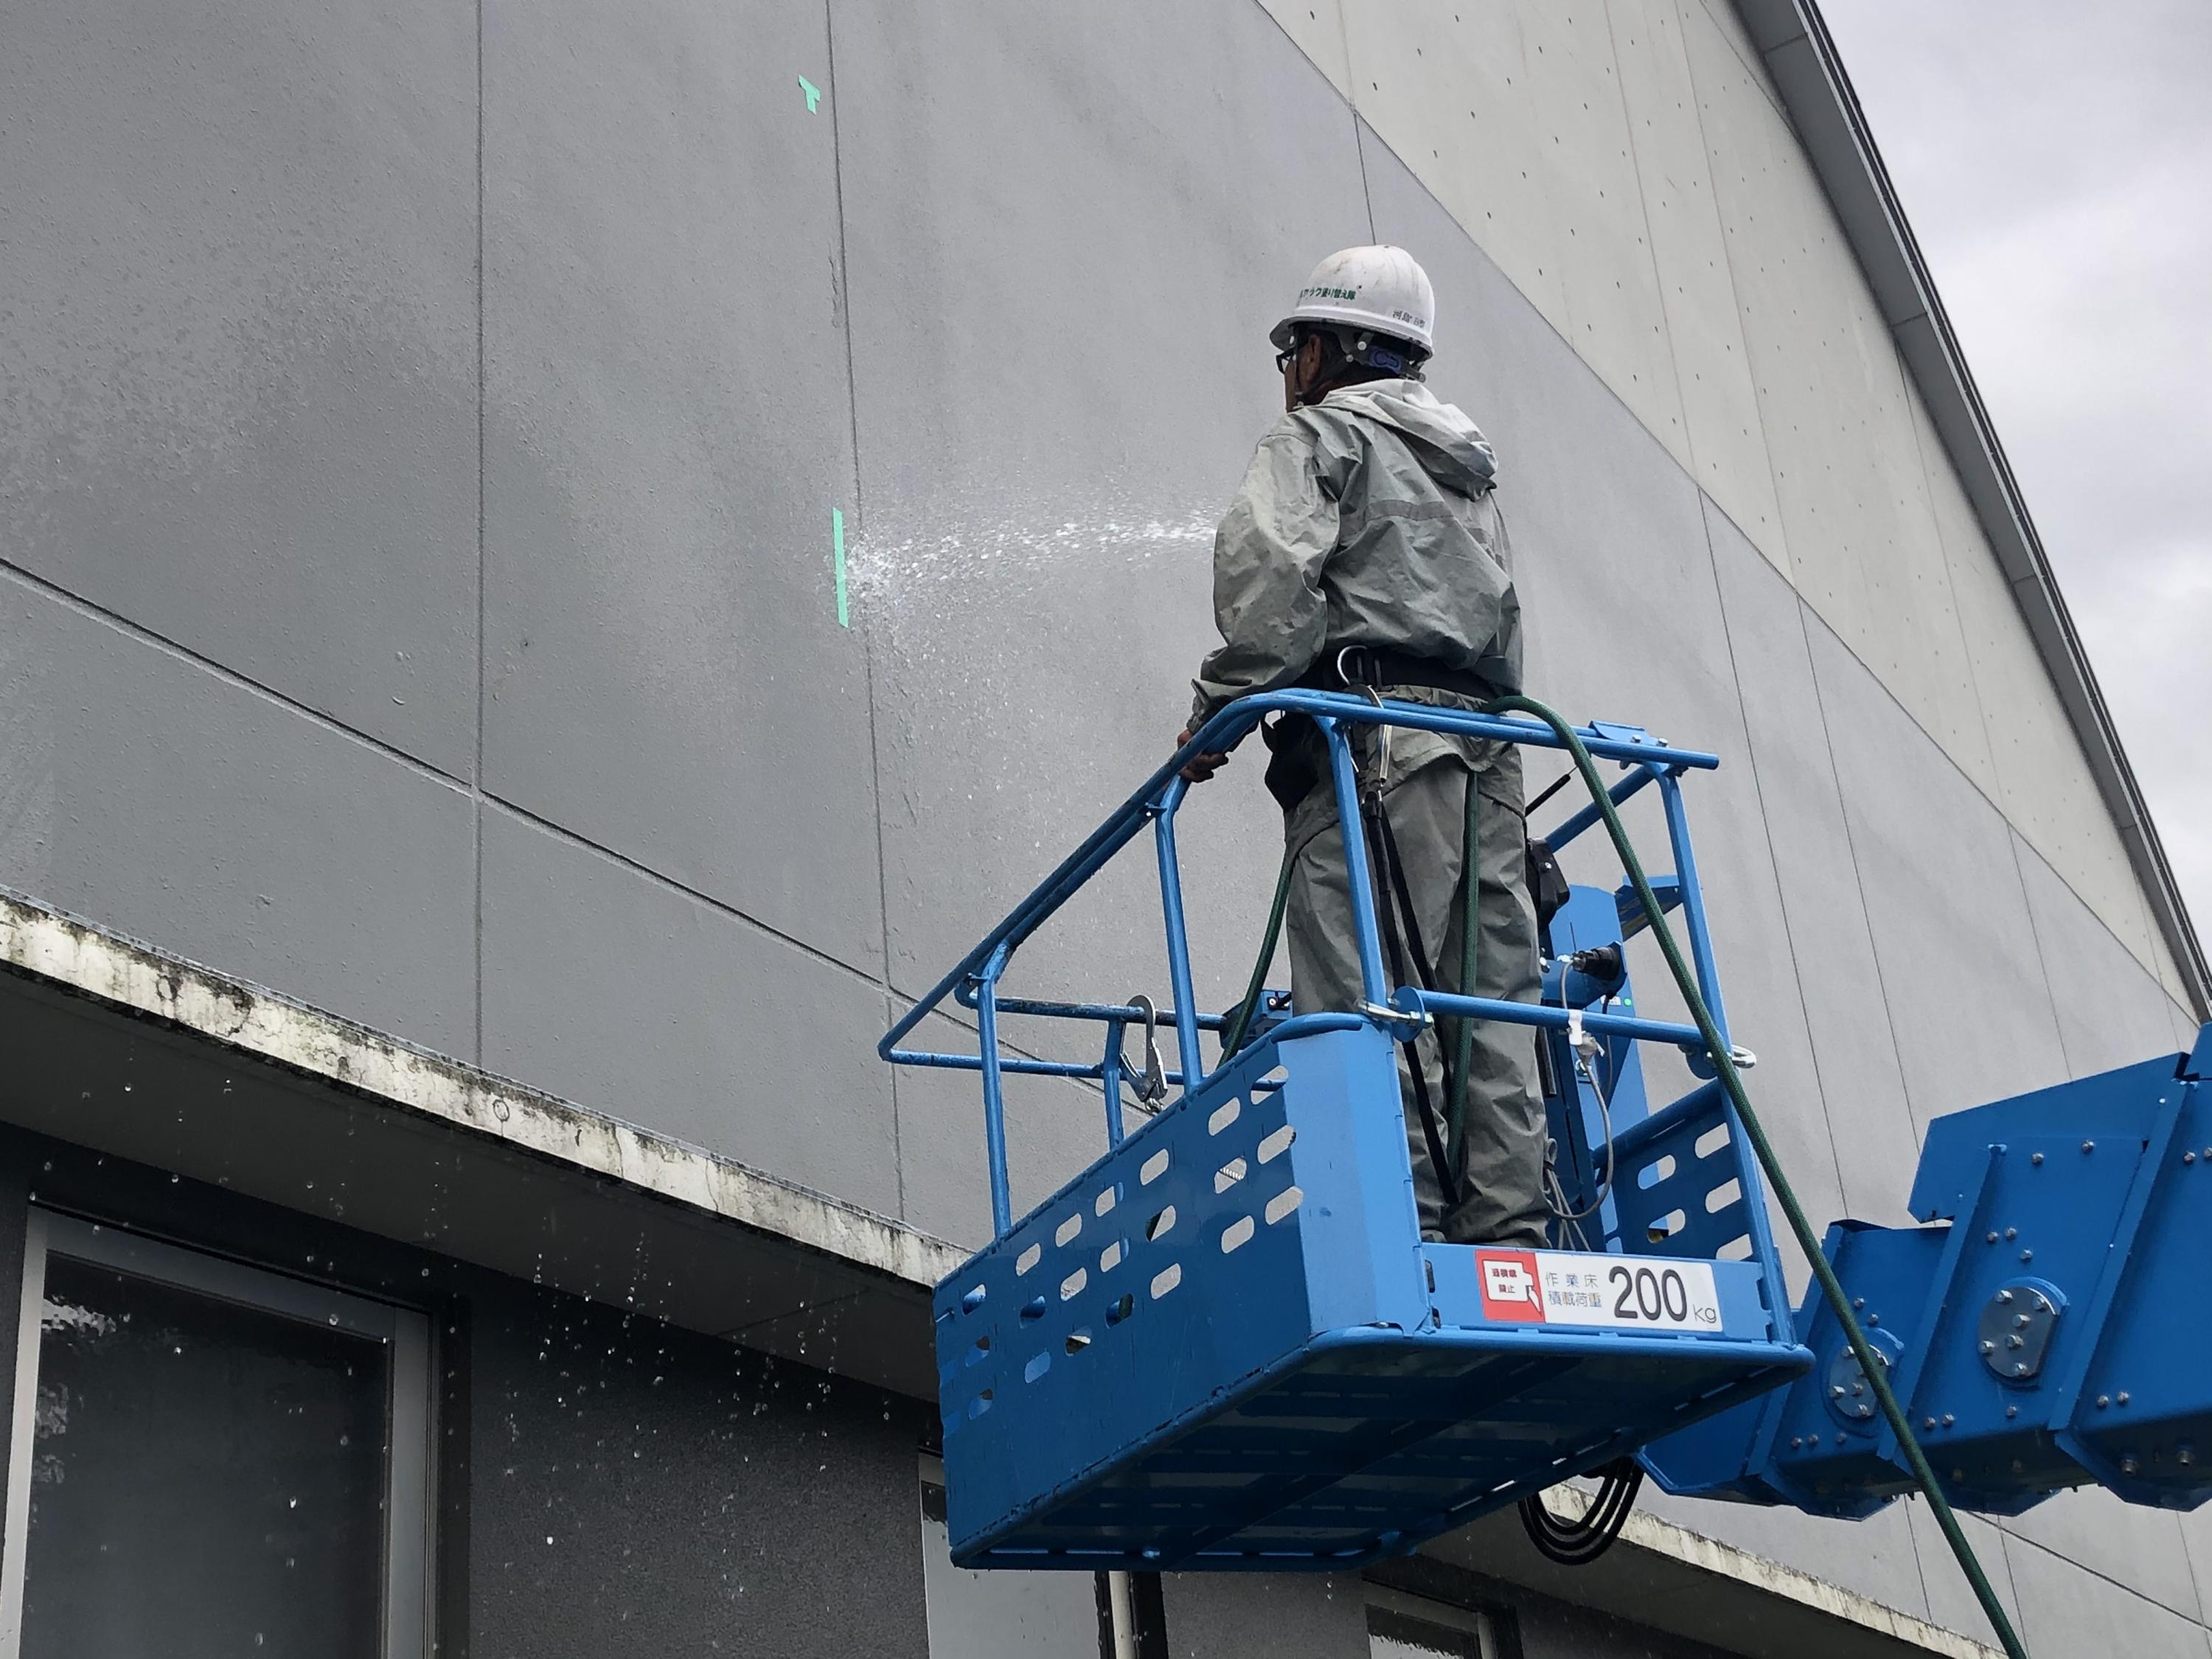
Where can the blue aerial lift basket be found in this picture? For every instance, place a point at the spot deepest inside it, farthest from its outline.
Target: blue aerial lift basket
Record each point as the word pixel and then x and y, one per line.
pixel 1226 1344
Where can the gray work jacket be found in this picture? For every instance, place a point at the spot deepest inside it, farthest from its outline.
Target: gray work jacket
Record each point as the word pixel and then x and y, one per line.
pixel 1369 518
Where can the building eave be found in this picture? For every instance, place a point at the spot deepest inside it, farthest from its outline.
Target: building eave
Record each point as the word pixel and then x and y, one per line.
pixel 120 1047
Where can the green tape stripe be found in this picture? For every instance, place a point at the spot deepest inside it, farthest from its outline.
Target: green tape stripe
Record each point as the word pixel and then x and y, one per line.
pixel 837 563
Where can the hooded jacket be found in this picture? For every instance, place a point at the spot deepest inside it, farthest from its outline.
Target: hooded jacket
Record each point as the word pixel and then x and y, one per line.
pixel 1366 519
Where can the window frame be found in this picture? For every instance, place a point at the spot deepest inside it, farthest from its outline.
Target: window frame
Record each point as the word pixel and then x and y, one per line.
pixel 411 1468
pixel 1449 1617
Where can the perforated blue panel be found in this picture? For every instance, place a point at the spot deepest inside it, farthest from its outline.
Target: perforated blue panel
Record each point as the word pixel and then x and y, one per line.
pixel 1680 1189
pixel 1222 1347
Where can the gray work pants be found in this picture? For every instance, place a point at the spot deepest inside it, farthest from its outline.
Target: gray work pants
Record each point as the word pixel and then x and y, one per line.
pixel 1501 1168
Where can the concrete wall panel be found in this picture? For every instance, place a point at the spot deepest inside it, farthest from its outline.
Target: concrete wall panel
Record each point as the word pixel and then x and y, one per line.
pixel 1474 104
pixel 1318 29
pixel 2066 1608
pixel 1689 250
pixel 2142 1548
pixel 1951 1599
pixel 184 808
pixel 1033 245
pixel 1877 1557
pixel 1721 14
pixel 2186 1024
pixel 237 376
pixel 641 1490
pixel 1861 536
pixel 1614 313
pixel 1968 1002
pixel 2042 777
pixel 1795 301
pixel 2196 1539
pixel 2110 1012
pixel 667 433
pixel 1285 1616
pixel 1003 1615
pixel 1512 113
pixel 1055 1130
pixel 608 986
pixel 1833 960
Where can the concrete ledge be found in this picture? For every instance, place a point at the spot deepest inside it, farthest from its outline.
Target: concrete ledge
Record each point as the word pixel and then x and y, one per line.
pixel 124 1049
pixel 1665 1575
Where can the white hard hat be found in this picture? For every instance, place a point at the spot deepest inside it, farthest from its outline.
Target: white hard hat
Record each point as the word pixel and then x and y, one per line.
pixel 1383 290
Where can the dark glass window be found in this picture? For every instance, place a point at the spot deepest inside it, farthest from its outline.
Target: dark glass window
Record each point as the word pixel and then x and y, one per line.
pixel 1392 1635
pixel 1002 1615
pixel 207 1477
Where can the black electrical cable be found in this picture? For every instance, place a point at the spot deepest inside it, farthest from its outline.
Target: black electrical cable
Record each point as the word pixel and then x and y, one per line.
pixel 1390 878
pixel 1578 1543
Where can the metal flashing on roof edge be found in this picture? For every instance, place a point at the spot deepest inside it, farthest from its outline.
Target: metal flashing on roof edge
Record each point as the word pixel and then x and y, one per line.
pixel 1800 55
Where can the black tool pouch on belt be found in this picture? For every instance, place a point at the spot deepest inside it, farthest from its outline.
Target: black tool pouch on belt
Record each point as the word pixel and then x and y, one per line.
pixel 1547 885
pixel 1292 770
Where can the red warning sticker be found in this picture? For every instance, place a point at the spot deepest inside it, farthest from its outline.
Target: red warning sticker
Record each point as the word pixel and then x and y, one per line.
pixel 1510 1291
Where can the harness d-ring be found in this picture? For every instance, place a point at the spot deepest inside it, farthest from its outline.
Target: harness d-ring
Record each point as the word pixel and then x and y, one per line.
pixel 1150 1085
pixel 1366 687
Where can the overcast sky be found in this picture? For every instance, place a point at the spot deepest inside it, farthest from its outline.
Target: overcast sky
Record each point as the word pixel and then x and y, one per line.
pixel 2055 162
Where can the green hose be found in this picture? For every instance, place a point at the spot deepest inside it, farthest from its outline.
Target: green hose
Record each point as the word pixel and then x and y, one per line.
pixel 1233 1039
pixel 1724 1067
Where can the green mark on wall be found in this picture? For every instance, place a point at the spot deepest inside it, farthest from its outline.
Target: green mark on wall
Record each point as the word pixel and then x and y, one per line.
pixel 813 94
pixel 837 563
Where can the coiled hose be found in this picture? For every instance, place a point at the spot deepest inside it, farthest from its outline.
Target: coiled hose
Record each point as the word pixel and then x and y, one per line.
pixel 1578 1543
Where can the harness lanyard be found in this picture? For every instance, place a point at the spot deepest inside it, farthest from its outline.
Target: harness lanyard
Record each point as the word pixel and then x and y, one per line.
pixel 1395 898
pixel 1459 1065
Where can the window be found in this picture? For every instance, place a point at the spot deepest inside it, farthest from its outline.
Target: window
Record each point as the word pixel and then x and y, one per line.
pixel 210 1459
pixel 1000 1615
pixel 1401 1626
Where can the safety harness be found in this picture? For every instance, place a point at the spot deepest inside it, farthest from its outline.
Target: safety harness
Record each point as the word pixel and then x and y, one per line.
pixel 1366 670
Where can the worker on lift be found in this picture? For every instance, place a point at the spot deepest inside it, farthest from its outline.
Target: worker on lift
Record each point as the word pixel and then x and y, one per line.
pixel 1365 551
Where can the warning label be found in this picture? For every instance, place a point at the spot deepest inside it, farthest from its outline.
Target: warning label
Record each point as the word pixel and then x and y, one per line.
pixel 1562 1287
pixel 1510 1290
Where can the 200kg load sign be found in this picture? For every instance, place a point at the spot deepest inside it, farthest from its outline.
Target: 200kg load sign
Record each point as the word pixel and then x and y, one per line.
pixel 1626 1293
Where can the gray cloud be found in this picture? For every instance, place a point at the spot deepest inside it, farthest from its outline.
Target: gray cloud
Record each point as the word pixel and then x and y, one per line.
pixel 2055 162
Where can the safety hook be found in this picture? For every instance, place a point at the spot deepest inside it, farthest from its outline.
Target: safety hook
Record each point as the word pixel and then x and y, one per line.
pixel 1150 1085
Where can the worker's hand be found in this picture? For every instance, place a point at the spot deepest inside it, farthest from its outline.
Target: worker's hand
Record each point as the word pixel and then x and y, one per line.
pixel 1199 768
